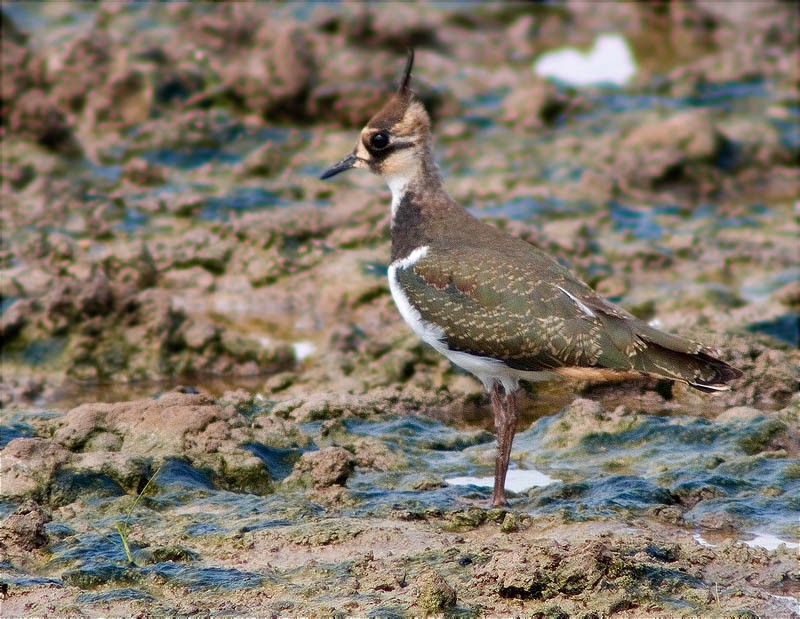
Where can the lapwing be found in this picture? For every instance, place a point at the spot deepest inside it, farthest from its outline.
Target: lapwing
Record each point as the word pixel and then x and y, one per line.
pixel 494 304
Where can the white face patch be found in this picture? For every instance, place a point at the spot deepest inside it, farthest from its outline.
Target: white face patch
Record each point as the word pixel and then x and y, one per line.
pixel 363 156
pixel 401 162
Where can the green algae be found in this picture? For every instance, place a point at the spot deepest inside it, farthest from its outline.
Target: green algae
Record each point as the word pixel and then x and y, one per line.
pixel 759 439
pixel 324 532
pixel 435 593
pixel 96 576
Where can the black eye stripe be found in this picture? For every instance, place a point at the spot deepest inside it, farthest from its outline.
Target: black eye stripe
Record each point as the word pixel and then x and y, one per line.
pixel 378 155
pixel 391 146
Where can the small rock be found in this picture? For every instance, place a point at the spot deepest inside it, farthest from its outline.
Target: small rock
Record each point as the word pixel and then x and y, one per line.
pixel 27 464
pixel 243 401
pixel 193 278
pixel 435 593
pixel 789 295
pixel 95 297
pixel 24 529
pixel 740 412
pixel 717 521
pixel 271 157
pixel 14 320
pixel 330 466
pixel 693 134
pixel 509 524
pixel 142 172
pixel 129 472
pixel 199 333
pixel 276 78
pixel 533 105
pixel 663 152
pixel 36 117
pixel 84 69
pixel 126 98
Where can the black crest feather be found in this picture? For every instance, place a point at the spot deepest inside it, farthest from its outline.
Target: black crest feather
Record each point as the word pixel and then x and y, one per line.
pixel 407 72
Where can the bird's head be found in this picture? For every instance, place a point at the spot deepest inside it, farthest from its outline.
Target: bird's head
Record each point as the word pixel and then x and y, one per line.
pixel 396 140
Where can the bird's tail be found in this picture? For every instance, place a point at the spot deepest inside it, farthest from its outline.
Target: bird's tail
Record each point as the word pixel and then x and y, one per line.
pixel 671 356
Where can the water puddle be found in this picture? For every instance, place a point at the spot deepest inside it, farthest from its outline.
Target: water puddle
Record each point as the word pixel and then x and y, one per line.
pixel 703 541
pixel 132 221
pixel 769 542
pixel 239 200
pixel 190 158
pixel 609 62
pixel 303 350
pixel 766 541
pixel 758 288
pixel 559 466
pixel 516 481
pixel 74 393
pixel 6 303
pixel 38 353
pixel 204 578
pixel 785 328
pixel 115 595
pixel 527 208
pixel 638 222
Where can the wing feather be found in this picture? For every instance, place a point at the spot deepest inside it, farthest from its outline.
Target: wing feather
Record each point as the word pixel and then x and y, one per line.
pixel 533 314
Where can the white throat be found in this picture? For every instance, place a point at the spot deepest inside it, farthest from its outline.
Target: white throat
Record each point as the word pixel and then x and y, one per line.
pixel 397 185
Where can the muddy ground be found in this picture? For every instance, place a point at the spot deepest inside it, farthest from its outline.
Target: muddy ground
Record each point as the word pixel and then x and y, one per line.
pixel 210 403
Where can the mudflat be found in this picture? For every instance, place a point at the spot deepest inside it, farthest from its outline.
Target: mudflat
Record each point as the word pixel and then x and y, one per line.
pixel 210 403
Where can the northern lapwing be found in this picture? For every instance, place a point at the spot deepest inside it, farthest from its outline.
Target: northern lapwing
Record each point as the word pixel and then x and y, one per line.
pixel 494 304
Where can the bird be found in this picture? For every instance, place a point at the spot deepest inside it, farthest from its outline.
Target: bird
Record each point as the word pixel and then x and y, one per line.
pixel 494 304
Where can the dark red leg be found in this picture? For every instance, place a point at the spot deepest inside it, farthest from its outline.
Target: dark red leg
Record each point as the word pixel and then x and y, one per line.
pixel 504 407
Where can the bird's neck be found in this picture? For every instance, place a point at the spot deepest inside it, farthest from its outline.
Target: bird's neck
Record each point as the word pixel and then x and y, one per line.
pixel 423 177
pixel 419 201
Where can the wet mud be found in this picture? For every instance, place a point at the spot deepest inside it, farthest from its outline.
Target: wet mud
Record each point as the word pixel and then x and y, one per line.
pixel 210 403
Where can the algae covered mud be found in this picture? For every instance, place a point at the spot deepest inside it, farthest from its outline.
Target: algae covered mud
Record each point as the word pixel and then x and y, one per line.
pixel 210 404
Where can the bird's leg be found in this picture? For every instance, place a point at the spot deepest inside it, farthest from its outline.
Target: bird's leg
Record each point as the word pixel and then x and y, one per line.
pixel 504 407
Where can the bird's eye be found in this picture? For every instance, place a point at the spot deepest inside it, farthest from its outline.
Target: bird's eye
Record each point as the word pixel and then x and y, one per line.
pixel 379 141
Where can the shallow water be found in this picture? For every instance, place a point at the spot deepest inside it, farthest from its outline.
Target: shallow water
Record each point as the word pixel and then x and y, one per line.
pixel 651 463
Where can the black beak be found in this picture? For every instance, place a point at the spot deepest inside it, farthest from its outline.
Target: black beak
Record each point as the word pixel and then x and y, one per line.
pixel 345 164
